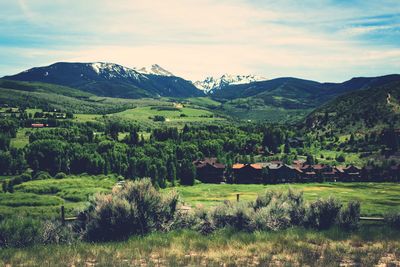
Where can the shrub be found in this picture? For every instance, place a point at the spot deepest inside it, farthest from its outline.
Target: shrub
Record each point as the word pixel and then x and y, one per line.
pixel 393 219
pixel 277 210
pixel 236 215
pixel 288 205
pixel 26 176
pixel 136 208
pixel 19 232
pixel 340 158
pixel 322 213
pixel 203 222
pixel 42 175
pixel 349 217
pixel 55 233
pixel 60 175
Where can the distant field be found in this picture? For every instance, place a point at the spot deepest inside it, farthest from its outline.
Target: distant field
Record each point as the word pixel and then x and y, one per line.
pixel 203 102
pixel 22 138
pixel 43 198
pixel 264 112
pixel 376 198
pixel 173 116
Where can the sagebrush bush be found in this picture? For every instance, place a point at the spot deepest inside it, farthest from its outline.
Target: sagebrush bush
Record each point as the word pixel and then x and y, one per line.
pixel 19 232
pixel 53 232
pixel 349 217
pixel 393 219
pixel 278 210
pixel 322 213
pixel 237 215
pixel 203 222
pixel 136 208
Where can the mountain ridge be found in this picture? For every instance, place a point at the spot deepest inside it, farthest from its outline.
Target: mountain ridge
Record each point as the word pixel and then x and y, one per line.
pixel 210 83
pixel 108 79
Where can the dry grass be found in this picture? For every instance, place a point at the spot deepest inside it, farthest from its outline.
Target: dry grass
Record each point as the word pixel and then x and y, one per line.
pixel 294 247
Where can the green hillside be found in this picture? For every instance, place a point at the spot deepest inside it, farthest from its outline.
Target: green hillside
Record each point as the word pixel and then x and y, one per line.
pixel 43 88
pixel 365 110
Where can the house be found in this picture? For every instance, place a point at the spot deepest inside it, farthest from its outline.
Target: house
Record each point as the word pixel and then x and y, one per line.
pixel 283 173
pixel 247 173
pixel 351 173
pixel 38 125
pixel 209 170
pixel 319 172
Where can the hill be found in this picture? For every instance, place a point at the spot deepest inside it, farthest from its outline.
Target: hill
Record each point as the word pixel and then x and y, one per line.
pixel 368 109
pixel 44 88
pixel 108 79
pixel 294 93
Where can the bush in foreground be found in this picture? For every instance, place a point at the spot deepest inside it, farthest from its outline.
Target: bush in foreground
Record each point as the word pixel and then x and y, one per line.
pixel 322 213
pixel 393 219
pixel 349 217
pixel 23 231
pixel 136 208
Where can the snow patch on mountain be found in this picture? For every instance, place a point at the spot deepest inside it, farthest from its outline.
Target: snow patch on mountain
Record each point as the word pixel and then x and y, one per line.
pixel 111 70
pixel 154 69
pixel 212 83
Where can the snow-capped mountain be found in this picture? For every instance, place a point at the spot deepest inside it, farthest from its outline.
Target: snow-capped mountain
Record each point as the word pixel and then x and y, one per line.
pixel 211 83
pixel 109 79
pixel 111 70
pixel 154 69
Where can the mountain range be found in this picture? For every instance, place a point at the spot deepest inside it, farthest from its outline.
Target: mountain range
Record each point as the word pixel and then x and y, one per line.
pixel 243 96
pixel 112 80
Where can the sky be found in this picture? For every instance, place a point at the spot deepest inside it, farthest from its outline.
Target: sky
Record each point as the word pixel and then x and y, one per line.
pixel 324 40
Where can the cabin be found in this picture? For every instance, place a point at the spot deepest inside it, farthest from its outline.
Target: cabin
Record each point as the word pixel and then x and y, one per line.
pixel 350 173
pixel 38 125
pixel 319 172
pixel 283 173
pixel 209 170
pixel 247 173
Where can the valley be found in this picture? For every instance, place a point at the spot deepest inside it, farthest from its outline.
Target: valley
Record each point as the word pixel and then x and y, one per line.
pixel 104 141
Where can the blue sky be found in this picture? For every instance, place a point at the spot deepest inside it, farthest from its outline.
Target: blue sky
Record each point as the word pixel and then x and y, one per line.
pixel 320 40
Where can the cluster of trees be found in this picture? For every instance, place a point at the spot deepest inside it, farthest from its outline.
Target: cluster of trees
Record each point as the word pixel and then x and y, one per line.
pixel 165 155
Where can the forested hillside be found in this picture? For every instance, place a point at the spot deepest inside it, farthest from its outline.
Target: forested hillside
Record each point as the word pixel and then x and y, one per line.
pixel 365 110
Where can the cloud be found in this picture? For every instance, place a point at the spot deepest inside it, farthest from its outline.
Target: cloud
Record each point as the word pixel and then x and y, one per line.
pixel 321 40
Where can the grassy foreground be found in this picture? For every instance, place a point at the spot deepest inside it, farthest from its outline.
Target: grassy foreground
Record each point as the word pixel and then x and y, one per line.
pixel 370 246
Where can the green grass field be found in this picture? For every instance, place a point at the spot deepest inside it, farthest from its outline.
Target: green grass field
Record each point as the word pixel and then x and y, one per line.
pixel 376 198
pixel 43 198
pixel 179 116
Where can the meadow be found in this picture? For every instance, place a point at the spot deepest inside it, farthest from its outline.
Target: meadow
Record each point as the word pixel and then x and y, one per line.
pixel 43 198
pixel 376 198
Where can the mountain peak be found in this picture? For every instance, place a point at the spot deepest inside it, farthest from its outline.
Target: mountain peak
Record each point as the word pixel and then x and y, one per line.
pixel 209 84
pixel 154 69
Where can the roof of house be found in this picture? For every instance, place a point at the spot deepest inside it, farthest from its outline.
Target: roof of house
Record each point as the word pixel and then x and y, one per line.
pixel 37 125
pixel 256 166
pixel 237 166
pixel 208 162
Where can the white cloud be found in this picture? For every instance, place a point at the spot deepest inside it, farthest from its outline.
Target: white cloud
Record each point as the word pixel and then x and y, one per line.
pixel 198 38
